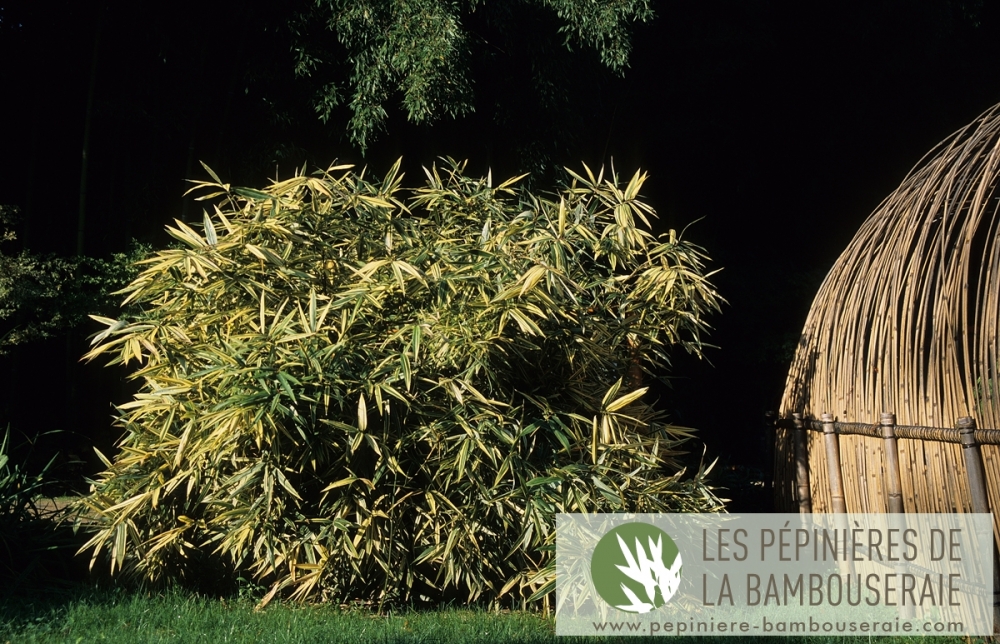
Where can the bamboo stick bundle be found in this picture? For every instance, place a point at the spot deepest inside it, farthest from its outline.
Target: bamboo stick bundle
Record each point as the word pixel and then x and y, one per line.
pixel 907 322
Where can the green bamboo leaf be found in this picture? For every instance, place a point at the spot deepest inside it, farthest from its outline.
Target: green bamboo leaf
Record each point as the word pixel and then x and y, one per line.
pixel 348 481
pixel 539 481
pixel 595 439
pixel 285 483
pixel 211 173
pixel 531 277
pixel 526 324
pixel 404 365
pixel 286 381
pixel 183 443
pixel 611 393
pixel 392 391
pixel 312 310
pixel 104 459
pixel 250 193
pixel 463 457
pixel 262 319
pixel 563 440
pixel 362 413
pixel 626 400
pixel 210 235
pixel 186 235
pixel 323 314
pixel 370 268
pixel 265 254
pixel 562 217
pixel 415 341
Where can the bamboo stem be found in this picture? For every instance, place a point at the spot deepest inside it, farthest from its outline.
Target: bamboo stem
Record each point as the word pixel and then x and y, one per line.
pixel 895 484
pixel 897 520
pixel 973 464
pixel 839 505
pixel 801 465
pixel 980 501
pixel 832 444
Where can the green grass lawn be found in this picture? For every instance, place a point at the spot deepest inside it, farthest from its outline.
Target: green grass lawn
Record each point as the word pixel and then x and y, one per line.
pixel 117 616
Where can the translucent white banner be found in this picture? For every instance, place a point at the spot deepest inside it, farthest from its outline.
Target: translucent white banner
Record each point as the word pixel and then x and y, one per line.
pixel 774 574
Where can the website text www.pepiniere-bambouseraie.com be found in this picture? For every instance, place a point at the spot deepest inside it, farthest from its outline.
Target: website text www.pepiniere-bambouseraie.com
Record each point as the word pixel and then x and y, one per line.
pixel 765 626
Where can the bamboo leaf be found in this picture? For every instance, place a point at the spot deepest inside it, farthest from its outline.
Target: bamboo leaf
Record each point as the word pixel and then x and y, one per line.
pixel 312 310
pixel 526 324
pixel 183 443
pixel 562 217
pixel 611 393
pixel 210 235
pixel 626 400
pixel 211 173
pixel 250 193
pixel 265 254
pixel 186 235
pixel 404 364
pixel 415 341
pixel 531 278
pixel 362 413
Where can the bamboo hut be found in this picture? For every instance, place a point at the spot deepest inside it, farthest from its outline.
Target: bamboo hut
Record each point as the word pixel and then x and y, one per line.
pixel 906 322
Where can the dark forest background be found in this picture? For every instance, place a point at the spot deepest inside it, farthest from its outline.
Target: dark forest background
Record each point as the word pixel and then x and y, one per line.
pixel 771 128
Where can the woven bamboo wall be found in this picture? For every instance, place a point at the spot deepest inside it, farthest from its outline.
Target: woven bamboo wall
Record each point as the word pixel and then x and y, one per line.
pixel 907 322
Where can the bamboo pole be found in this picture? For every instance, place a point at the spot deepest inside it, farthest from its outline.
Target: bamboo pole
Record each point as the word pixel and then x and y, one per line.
pixel 801 465
pixel 833 465
pixel 839 506
pixel 897 520
pixel 973 464
pixel 980 501
pixel 895 484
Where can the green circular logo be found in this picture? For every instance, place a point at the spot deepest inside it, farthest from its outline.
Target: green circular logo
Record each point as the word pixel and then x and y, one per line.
pixel 636 567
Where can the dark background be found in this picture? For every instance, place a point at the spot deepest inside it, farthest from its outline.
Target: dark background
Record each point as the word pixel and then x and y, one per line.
pixel 778 126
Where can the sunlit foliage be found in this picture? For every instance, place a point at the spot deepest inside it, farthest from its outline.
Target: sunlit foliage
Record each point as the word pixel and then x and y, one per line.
pixel 418 51
pixel 356 392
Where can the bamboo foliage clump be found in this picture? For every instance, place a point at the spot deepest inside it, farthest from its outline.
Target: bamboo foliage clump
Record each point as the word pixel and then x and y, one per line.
pixel 358 396
pixel 906 322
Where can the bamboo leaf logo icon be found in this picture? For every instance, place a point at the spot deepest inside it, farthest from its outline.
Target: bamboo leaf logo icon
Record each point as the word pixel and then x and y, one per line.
pixel 640 577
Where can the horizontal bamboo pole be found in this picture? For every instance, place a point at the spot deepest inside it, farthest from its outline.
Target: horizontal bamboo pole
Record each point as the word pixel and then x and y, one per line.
pixel 912 432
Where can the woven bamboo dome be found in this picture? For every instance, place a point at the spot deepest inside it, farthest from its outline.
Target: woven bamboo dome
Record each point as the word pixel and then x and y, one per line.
pixel 906 322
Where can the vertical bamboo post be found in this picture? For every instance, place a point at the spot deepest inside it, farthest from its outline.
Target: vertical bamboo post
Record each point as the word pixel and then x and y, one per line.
pixel 895 492
pixel 973 464
pixel 980 501
pixel 832 443
pixel 801 464
pixel 888 422
pixel 839 505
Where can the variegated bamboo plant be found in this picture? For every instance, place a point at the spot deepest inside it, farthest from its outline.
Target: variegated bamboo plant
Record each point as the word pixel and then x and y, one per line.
pixel 354 395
